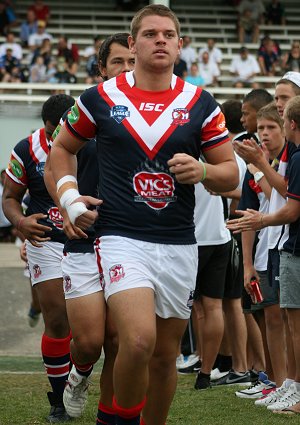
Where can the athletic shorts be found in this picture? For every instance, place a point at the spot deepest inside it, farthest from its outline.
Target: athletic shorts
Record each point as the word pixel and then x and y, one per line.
pixel 269 293
pixel 273 268
pixel 212 266
pixel 44 262
pixel 170 270
pixel 80 274
pixel 289 280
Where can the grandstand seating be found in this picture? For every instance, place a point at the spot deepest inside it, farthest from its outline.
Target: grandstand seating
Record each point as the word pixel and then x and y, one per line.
pixel 82 21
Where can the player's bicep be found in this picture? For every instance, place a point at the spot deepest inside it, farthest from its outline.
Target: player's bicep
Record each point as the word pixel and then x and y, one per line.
pixel 13 190
pixel 65 140
pixel 219 154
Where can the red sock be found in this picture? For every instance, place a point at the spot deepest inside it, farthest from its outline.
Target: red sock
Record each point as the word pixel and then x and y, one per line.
pixel 128 413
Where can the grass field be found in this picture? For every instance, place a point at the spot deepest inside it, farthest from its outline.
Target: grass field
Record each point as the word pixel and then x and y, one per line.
pixel 23 400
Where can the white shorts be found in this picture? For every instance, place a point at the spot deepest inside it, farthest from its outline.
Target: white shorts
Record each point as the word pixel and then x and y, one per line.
pixel 170 270
pixel 80 274
pixel 44 263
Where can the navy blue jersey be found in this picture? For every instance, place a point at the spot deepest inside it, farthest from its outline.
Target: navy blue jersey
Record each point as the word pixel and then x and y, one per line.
pixel 137 132
pixel 290 241
pixel 26 168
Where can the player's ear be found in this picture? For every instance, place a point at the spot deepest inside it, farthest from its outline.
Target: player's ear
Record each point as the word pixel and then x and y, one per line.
pixel 180 42
pixel 131 44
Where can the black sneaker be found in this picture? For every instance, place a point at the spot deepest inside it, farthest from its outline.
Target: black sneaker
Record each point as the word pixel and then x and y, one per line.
pixel 254 376
pixel 233 378
pixel 57 413
pixel 202 382
pixel 190 369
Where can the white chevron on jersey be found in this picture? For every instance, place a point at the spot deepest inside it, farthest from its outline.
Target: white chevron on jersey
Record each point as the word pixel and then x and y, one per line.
pixel 38 148
pixel 149 135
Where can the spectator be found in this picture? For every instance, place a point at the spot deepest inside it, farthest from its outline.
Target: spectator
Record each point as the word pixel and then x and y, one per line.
pixel 194 77
pixel 180 68
pixel 10 68
pixel 41 10
pixel 5 224
pixel 28 27
pixel 69 52
pixel 51 72
pixel 4 19
pixel 291 60
pixel 208 70
pixel 188 53
pixel 10 43
pixel 66 73
pixel 93 50
pixel 38 70
pixel 268 59
pixel 275 13
pixel 244 68
pixel 215 54
pixel 13 22
pixel 256 8
pixel 35 40
pixel 248 29
pixel 44 50
pixel 276 47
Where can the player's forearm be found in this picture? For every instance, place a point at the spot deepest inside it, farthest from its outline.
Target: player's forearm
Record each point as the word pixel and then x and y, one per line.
pixel 248 239
pixel 12 210
pixel 222 177
pixel 285 215
pixel 274 179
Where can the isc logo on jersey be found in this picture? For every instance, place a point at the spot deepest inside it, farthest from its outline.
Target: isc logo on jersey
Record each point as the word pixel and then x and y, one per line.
pixel 155 189
pixel 157 107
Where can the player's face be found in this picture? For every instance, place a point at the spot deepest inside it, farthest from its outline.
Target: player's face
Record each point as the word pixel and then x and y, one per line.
pixel 248 118
pixel 283 93
pixel 270 134
pixel 157 43
pixel 119 60
pixel 287 126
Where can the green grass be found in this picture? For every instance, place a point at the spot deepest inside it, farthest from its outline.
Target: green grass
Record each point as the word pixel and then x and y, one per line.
pixel 23 400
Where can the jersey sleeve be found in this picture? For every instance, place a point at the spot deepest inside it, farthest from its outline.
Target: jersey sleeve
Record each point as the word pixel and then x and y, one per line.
pixel 214 131
pixel 80 121
pixel 293 191
pixel 16 169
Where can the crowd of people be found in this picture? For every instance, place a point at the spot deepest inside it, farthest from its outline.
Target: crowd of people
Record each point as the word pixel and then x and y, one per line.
pixel 153 207
pixel 40 64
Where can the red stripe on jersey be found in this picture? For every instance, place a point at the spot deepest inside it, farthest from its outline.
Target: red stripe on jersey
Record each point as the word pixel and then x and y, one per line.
pixel 204 148
pixel 43 141
pixel 292 195
pixel 98 259
pixel 151 153
pixel 214 128
pixel 254 186
pixel 284 156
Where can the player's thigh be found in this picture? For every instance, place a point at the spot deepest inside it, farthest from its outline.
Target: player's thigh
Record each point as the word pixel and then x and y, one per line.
pixel 169 334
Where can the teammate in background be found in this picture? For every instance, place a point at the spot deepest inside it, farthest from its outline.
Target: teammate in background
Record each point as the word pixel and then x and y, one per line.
pixel 83 291
pixel 151 128
pixel 289 248
pixel 42 228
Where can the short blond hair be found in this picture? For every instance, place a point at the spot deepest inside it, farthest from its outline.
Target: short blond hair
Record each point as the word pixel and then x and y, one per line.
pixel 150 10
pixel 292 110
pixel 269 112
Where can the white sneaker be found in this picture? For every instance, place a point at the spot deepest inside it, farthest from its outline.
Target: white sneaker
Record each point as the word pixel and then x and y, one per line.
pixel 272 397
pixel 291 397
pixel 216 374
pixel 180 361
pixel 256 390
pixel 75 393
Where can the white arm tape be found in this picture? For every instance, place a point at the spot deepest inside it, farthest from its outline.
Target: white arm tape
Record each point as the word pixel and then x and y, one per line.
pixel 68 197
pixel 75 210
pixel 65 179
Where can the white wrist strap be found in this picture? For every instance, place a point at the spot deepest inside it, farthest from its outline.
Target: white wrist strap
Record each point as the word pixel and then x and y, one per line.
pixel 68 197
pixel 65 179
pixel 75 210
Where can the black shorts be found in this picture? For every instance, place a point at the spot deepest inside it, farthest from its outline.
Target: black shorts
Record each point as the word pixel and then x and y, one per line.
pixel 212 266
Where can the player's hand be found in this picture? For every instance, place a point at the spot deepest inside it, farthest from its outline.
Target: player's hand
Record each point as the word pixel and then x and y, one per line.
pixel 33 231
pixel 250 220
pixel 249 272
pixel 249 150
pixel 86 219
pixel 186 168
pixel 23 253
pixel 72 231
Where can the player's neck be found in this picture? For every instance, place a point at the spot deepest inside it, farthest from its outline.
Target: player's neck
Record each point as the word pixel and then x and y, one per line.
pixel 150 81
